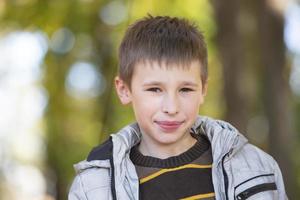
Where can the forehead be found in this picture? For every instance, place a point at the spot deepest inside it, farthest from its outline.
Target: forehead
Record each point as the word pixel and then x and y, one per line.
pixel 167 63
pixel 147 71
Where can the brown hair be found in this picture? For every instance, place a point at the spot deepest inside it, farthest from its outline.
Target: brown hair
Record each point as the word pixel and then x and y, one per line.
pixel 162 39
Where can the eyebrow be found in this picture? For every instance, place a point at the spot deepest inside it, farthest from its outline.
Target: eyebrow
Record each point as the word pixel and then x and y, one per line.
pixel 190 84
pixel 185 83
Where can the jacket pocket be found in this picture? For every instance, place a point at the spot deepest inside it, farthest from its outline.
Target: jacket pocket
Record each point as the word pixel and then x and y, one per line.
pixel 258 187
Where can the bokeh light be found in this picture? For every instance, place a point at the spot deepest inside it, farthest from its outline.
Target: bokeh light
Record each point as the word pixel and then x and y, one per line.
pixel 113 13
pixel 84 81
pixel 62 41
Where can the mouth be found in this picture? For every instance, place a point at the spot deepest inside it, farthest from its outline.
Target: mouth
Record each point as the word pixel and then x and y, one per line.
pixel 169 126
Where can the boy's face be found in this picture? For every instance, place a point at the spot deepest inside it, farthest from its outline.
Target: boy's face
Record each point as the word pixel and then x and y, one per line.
pixel 165 100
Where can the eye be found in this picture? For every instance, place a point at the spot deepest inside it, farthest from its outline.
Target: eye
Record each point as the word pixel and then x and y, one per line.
pixel 186 90
pixel 154 89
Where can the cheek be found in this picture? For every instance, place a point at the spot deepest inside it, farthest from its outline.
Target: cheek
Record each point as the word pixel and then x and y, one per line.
pixel 145 106
pixel 192 105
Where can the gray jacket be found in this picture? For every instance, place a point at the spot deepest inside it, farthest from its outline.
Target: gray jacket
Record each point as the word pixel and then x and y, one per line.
pixel 240 170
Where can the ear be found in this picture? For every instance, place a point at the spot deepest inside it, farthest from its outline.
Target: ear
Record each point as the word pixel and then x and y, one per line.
pixel 123 91
pixel 204 92
pixel 204 88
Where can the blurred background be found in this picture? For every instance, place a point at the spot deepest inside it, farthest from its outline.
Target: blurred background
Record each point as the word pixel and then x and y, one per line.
pixel 58 60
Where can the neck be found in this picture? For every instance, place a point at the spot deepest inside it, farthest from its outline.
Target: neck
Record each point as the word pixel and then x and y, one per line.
pixel 148 147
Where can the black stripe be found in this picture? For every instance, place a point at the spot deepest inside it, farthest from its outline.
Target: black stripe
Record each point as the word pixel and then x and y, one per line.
pixel 256 189
pixel 262 175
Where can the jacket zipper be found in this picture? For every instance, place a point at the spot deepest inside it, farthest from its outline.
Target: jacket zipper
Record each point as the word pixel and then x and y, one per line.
pixel 256 189
pixel 225 176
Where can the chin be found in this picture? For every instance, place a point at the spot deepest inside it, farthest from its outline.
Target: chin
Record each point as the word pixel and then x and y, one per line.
pixel 169 138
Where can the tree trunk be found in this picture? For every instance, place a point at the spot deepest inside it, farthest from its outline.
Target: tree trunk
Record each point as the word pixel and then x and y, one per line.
pixel 276 97
pixel 229 45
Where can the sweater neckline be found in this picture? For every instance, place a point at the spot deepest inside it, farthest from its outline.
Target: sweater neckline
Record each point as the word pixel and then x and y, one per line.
pixel 184 158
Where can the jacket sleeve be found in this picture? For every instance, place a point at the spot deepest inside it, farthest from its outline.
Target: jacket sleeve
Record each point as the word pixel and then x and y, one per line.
pixel 279 182
pixel 76 191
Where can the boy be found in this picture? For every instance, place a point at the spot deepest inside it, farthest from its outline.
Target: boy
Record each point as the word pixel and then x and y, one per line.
pixel 171 152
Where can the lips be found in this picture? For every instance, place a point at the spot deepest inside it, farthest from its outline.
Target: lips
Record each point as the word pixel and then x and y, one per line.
pixel 169 126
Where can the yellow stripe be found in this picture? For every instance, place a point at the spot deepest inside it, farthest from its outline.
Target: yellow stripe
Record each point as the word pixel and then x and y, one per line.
pixel 199 196
pixel 162 171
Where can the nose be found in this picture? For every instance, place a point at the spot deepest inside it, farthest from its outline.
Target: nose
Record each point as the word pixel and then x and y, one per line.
pixel 170 104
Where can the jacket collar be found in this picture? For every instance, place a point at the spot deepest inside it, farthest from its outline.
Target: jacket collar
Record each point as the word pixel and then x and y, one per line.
pixel 224 138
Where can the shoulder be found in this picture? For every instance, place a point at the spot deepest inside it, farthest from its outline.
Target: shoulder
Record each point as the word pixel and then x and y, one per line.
pixel 252 168
pixel 252 163
pixel 253 158
pixel 93 177
pixel 90 181
pixel 96 166
pixel 93 173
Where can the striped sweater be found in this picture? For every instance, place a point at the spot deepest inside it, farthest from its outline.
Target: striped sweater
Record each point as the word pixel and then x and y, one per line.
pixel 186 176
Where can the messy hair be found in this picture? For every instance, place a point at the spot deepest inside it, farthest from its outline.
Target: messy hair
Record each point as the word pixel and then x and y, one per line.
pixel 165 39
